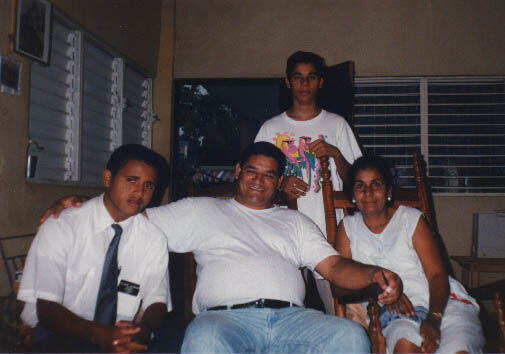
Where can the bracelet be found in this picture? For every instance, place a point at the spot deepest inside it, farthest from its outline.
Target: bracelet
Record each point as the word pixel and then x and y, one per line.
pixel 438 315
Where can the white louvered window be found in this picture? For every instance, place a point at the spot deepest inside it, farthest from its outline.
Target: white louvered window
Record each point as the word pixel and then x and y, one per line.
pixel 101 130
pixel 54 123
pixel 137 114
pixel 79 110
pixel 457 124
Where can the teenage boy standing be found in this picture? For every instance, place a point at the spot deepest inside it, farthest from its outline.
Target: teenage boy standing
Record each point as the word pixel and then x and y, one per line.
pixel 96 279
pixel 304 133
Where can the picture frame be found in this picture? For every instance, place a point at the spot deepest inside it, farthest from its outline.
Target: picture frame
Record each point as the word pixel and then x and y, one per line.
pixel 10 75
pixel 33 29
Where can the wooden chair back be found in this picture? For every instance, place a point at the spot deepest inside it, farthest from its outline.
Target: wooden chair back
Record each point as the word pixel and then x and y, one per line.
pixel 494 291
pixel 13 250
pixel 417 198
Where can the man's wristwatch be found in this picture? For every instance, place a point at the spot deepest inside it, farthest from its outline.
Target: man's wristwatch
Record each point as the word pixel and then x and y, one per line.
pixel 150 332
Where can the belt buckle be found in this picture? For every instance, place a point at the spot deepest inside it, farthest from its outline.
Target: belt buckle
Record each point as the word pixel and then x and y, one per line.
pixel 260 303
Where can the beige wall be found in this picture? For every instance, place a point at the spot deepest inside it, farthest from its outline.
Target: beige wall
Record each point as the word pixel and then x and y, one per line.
pixel 130 26
pixel 134 28
pixel 454 217
pixel 253 38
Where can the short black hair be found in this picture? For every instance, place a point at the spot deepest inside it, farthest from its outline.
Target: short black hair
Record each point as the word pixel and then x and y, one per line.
pixel 265 149
pixel 125 153
pixel 305 58
pixel 370 162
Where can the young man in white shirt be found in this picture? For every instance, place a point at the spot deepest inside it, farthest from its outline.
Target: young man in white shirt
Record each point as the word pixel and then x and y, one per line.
pixel 304 133
pixel 96 279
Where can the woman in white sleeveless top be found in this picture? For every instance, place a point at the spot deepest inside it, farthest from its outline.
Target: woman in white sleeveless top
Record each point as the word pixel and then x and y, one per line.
pixel 440 315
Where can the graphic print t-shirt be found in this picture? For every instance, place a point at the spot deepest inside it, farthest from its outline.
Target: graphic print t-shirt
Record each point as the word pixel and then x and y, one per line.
pixel 294 137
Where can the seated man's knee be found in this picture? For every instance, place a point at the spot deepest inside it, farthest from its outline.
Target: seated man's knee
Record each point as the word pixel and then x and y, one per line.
pixel 207 333
pixel 348 337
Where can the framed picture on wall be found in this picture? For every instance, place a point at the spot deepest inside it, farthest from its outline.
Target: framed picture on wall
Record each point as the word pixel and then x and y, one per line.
pixel 33 29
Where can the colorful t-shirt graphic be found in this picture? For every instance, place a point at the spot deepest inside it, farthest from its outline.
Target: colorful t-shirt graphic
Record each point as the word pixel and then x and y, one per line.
pixel 294 137
pixel 300 161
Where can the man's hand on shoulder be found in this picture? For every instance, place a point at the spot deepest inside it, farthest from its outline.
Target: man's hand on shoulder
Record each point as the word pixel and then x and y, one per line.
pixel 390 283
pixel 63 203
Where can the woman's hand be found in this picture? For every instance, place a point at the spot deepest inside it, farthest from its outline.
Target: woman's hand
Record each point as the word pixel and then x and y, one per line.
pixel 430 331
pixel 403 306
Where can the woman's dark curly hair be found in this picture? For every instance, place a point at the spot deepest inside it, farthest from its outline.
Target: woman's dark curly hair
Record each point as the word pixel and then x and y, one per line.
pixel 369 162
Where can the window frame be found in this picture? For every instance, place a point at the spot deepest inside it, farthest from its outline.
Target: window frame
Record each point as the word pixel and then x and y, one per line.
pixel 71 156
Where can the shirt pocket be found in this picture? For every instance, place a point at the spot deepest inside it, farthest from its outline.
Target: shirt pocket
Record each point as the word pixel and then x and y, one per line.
pixel 81 291
pixel 127 306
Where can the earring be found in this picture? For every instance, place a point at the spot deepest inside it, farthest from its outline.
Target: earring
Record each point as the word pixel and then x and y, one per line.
pixel 353 201
pixel 389 198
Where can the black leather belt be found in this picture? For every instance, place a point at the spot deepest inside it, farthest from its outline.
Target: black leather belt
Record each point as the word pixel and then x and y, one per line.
pixel 259 304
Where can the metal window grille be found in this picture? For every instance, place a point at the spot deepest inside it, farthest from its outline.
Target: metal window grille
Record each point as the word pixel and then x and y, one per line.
pixel 458 124
pixel 387 120
pixel 78 111
pixel 467 135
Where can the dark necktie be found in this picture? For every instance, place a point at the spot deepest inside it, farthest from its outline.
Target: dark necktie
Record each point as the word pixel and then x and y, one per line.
pixel 106 302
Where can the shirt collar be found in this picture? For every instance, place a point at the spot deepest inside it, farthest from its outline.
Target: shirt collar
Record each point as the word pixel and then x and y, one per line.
pixel 102 218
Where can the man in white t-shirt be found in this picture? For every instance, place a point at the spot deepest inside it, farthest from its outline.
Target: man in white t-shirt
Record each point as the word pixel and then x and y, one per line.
pixel 304 133
pixel 249 292
pixel 96 278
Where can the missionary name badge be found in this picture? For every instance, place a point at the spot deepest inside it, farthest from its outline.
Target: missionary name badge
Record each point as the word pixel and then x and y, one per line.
pixel 128 288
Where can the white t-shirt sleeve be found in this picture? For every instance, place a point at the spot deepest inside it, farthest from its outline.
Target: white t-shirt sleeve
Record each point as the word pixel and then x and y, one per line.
pixel 347 144
pixel 313 246
pixel 45 268
pixel 261 136
pixel 177 221
pixel 156 282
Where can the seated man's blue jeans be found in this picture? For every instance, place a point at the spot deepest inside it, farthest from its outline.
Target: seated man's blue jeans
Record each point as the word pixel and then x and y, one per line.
pixel 286 330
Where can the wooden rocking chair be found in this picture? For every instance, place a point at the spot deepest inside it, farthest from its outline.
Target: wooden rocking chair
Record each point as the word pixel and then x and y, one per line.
pixel 417 198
